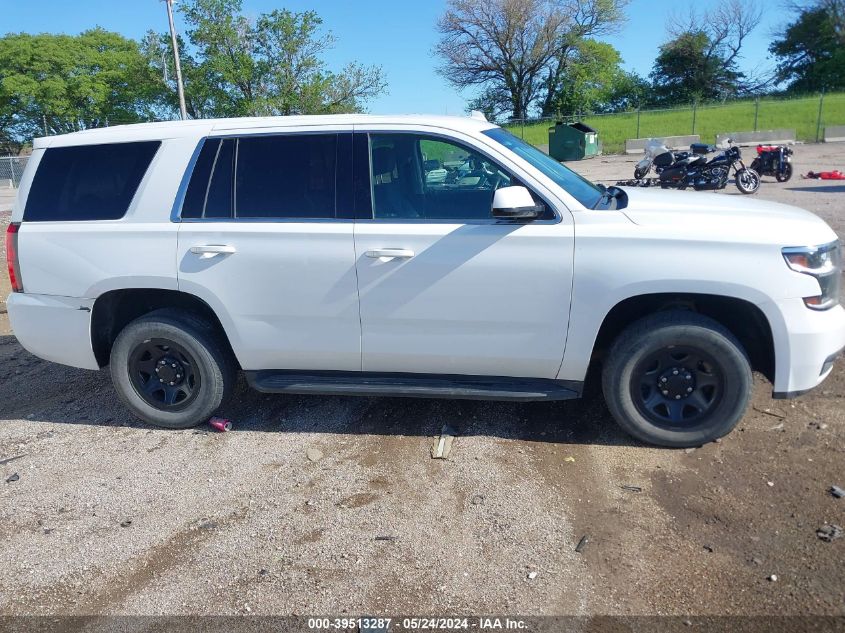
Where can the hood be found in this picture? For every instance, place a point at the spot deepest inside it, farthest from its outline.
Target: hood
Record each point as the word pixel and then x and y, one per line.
pixel 729 217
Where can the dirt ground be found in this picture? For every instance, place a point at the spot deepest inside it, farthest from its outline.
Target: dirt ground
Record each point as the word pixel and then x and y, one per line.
pixel 108 516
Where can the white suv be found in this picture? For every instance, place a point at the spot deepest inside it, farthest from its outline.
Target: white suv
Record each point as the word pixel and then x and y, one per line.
pixel 417 256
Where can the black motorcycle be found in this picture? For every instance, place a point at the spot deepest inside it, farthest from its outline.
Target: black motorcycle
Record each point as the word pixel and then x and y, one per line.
pixel 679 170
pixel 773 160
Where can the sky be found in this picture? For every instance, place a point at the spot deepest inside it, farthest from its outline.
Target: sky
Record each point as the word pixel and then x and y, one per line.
pixel 398 35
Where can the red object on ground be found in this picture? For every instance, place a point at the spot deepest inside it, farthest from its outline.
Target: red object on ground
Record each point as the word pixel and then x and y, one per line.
pixel 221 424
pixel 826 175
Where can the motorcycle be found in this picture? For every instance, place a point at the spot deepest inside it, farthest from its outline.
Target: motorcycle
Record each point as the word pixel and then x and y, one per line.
pixel 682 169
pixel 773 160
pixel 653 148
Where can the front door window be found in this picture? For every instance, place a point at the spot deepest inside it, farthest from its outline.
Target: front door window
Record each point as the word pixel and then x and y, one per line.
pixel 428 178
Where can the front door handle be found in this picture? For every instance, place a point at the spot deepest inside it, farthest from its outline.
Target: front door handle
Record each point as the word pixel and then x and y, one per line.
pixel 390 253
pixel 212 250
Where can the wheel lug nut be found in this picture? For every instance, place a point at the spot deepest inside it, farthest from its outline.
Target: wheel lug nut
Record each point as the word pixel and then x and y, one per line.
pixel 665 393
pixel 676 397
pixel 689 389
pixel 687 376
pixel 173 365
pixel 171 384
pixel 675 372
pixel 664 379
pixel 161 379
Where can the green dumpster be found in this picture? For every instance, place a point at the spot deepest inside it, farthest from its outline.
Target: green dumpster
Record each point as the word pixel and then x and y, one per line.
pixel 573 141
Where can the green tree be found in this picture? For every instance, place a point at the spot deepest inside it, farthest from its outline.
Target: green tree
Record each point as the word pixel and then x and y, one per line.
pixel 595 81
pixel 588 19
pixel 700 61
pixel 68 83
pixel 514 52
pixel 686 70
pixel 811 50
pixel 234 66
pixel 204 99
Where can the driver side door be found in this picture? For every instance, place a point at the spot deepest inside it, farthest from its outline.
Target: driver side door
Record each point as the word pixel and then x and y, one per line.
pixel 445 288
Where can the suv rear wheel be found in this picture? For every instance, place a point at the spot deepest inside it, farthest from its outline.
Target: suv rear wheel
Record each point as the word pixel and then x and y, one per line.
pixel 677 379
pixel 171 369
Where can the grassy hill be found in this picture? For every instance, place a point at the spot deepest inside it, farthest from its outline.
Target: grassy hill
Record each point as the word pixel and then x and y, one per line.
pixel 799 114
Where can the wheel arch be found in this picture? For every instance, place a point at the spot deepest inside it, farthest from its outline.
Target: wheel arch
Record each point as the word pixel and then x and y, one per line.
pixel 742 318
pixel 115 309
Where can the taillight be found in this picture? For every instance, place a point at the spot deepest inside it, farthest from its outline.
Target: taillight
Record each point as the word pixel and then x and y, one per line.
pixel 12 257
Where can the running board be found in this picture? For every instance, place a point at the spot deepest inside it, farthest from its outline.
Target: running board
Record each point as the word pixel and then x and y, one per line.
pixel 413 385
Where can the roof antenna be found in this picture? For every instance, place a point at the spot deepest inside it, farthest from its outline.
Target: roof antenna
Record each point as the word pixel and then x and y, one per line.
pixel 477 114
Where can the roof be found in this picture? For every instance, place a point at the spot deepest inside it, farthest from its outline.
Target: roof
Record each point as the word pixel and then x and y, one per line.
pixel 203 127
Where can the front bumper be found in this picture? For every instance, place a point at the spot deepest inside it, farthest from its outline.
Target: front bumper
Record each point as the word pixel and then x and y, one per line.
pixel 806 348
pixel 57 329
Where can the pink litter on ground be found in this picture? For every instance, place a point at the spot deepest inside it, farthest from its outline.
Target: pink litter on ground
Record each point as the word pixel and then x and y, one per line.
pixel 221 424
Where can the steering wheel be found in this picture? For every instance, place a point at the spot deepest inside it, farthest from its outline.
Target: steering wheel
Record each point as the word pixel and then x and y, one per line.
pixel 492 177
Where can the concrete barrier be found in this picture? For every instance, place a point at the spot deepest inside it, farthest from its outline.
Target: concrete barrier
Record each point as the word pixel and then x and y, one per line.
pixel 776 137
pixel 833 133
pixel 637 145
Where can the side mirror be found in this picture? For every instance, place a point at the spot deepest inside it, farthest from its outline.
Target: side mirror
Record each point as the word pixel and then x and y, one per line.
pixel 515 203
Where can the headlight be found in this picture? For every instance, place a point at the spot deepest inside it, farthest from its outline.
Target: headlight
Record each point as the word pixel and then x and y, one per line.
pixel 822 262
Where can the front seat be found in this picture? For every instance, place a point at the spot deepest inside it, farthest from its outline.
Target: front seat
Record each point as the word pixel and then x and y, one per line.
pixel 389 198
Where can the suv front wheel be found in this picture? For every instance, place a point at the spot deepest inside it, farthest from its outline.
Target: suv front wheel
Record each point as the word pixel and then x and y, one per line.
pixel 171 369
pixel 677 379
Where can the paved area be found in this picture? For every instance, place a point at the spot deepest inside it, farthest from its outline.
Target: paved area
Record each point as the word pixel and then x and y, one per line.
pixel 7 199
pixel 315 505
pixel 825 197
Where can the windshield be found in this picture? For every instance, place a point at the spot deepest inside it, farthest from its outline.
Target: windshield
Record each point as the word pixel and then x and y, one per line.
pixel 576 186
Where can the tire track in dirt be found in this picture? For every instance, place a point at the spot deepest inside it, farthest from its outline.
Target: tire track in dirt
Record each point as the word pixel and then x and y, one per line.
pixel 471 531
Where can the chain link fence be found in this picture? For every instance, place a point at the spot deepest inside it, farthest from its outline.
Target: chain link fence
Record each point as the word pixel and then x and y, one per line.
pixel 11 170
pixel 807 115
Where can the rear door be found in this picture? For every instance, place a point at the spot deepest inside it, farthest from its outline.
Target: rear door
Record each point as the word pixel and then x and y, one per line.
pixel 444 287
pixel 266 240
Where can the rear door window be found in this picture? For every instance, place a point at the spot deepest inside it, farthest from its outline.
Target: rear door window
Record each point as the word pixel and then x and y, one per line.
pixel 286 176
pixel 209 193
pixel 193 205
pixel 218 201
pixel 88 182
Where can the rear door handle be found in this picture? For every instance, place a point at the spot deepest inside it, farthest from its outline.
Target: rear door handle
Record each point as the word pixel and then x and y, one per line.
pixel 390 253
pixel 212 250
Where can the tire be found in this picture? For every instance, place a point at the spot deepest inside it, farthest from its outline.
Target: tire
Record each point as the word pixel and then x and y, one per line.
pixel 655 348
pixel 169 355
pixel 786 174
pixel 639 173
pixel 747 180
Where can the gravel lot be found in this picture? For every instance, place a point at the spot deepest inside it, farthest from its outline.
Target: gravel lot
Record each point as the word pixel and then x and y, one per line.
pixel 108 516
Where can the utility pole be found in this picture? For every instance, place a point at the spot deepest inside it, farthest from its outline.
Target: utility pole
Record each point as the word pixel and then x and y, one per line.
pixel 819 119
pixel 179 87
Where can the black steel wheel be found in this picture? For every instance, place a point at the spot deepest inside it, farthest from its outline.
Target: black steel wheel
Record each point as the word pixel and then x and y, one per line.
pixel 677 379
pixel 164 374
pixel 675 386
pixel 172 369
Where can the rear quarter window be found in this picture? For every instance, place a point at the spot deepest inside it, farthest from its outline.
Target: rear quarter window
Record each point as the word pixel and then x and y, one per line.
pixel 88 182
